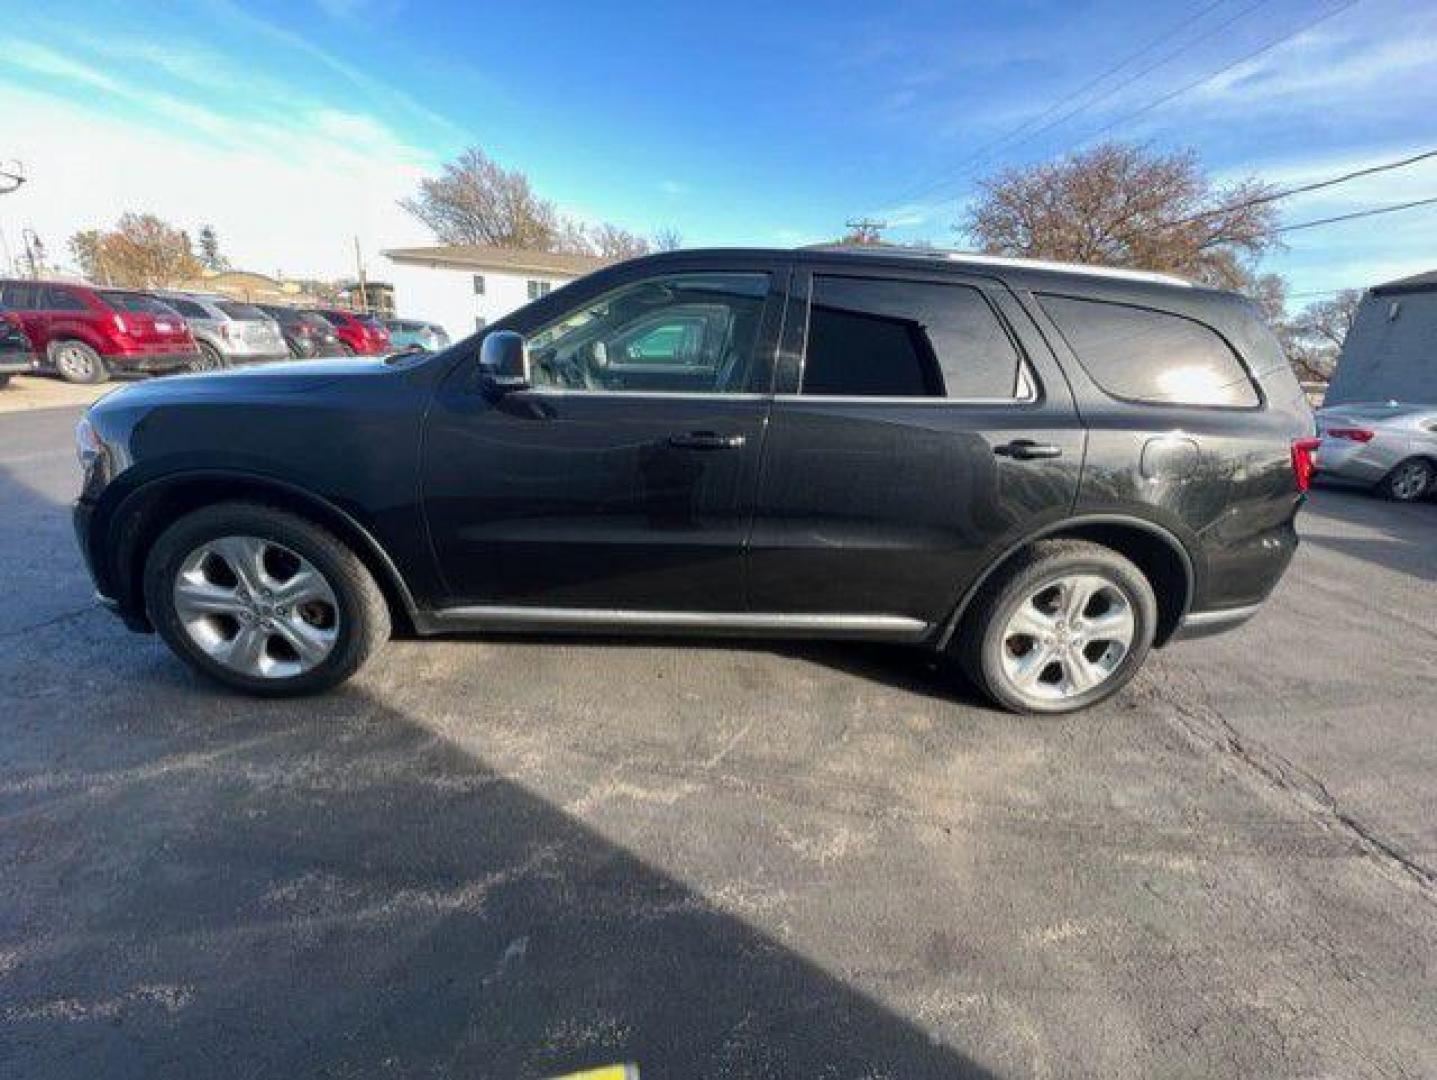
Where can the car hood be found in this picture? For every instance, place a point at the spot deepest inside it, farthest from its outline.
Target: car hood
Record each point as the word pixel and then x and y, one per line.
pixel 298 377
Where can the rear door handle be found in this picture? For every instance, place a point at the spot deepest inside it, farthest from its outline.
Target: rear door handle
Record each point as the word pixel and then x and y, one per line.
pixel 1027 450
pixel 706 440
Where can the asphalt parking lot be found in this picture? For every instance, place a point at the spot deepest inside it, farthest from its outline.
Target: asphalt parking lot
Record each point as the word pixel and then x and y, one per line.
pixel 514 858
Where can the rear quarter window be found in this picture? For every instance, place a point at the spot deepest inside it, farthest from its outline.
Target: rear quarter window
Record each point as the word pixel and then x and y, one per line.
pixel 1154 357
pixel 136 302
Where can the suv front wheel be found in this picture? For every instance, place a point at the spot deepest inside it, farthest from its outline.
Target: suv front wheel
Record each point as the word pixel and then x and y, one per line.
pixel 263 600
pixel 1067 625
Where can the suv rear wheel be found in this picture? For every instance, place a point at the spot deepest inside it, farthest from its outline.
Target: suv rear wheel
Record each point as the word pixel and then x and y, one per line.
pixel 1067 625
pixel 78 363
pixel 263 600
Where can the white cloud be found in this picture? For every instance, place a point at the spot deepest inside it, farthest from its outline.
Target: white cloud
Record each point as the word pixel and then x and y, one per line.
pixel 291 203
pixel 674 189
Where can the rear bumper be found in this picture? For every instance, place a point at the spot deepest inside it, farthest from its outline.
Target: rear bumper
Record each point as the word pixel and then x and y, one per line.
pixel 266 356
pixel 151 361
pixel 17 363
pixel 1201 624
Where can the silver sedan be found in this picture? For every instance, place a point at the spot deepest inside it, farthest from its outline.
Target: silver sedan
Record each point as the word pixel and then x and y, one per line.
pixel 1388 446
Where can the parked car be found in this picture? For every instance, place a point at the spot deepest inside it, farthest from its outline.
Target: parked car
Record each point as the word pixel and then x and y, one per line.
pixel 307 335
pixel 228 332
pixel 1387 446
pixel 16 353
pixel 407 333
pixel 87 334
pixel 359 335
pixel 1036 471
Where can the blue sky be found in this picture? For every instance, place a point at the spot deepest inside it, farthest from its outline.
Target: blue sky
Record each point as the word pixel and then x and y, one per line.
pixel 295 126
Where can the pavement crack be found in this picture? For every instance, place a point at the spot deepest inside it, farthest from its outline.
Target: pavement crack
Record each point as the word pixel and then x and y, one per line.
pixel 45 624
pixel 1207 724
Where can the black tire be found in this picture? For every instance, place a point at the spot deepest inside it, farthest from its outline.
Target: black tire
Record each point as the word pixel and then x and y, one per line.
pixel 978 647
pixel 76 362
pixel 210 359
pixel 363 615
pixel 1408 481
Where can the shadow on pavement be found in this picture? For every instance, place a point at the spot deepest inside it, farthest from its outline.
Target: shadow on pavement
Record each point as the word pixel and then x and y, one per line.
pixel 197 884
pixel 1406 544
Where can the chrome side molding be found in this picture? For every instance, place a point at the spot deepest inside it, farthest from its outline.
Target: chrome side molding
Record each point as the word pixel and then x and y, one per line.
pixel 579 620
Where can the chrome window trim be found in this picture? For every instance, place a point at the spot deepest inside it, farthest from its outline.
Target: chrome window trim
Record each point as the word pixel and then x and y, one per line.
pixel 570 391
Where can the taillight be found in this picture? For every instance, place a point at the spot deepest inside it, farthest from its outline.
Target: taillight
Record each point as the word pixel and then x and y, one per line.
pixel 1302 461
pixel 120 324
pixel 227 331
pixel 1355 434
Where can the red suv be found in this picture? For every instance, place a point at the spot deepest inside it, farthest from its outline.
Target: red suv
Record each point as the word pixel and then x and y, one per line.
pixel 359 335
pixel 87 334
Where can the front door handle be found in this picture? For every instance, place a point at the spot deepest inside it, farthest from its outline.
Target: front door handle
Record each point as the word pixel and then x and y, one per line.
pixel 706 440
pixel 1027 450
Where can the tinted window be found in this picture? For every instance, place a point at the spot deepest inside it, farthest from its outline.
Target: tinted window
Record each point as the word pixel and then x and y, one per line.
pixel 882 338
pixel 334 318
pixel 20 295
pixel 690 333
pixel 54 298
pixel 1152 356
pixel 243 312
pixel 188 308
pixel 129 301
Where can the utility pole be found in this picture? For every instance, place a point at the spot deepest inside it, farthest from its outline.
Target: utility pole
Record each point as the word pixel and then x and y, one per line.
pixel 865 230
pixel 363 287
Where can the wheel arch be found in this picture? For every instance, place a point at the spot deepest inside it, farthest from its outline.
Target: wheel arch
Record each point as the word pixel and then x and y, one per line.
pixel 1156 551
pixel 137 522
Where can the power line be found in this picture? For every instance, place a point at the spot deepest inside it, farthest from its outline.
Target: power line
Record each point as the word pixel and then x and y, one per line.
pixel 1287 193
pixel 1357 214
pixel 1274 43
pixel 983 150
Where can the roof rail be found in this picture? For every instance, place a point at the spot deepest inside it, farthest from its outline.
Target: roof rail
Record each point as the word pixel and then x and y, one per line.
pixel 977 259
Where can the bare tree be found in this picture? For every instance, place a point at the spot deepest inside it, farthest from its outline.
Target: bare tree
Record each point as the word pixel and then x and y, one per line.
pixel 477 201
pixel 668 239
pixel 1124 205
pixel 611 242
pixel 142 251
pixel 1314 337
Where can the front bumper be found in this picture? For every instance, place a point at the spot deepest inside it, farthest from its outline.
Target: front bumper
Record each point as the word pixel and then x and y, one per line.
pixel 134 618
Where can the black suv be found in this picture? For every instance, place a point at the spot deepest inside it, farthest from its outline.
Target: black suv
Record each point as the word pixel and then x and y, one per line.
pixel 1038 471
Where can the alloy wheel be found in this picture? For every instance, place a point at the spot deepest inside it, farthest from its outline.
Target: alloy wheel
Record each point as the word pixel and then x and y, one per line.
pixel 1068 638
pixel 256 607
pixel 74 362
pixel 1409 480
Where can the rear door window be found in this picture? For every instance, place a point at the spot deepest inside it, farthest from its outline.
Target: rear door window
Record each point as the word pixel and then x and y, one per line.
pixel 57 298
pixel 877 337
pixel 1155 357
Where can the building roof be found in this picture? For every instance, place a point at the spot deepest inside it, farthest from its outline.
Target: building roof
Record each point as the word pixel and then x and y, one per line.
pixel 1416 283
pixel 480 257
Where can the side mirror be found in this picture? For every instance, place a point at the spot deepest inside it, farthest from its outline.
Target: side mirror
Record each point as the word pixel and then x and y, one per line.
pixel 504 360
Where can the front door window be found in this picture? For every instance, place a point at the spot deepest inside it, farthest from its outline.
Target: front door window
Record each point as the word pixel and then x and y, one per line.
pixel 689 333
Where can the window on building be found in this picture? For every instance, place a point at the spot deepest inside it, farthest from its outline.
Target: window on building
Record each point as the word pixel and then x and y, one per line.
pixel 1157 357
pixel 870 337
pixel 478 284
pixel 539 288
